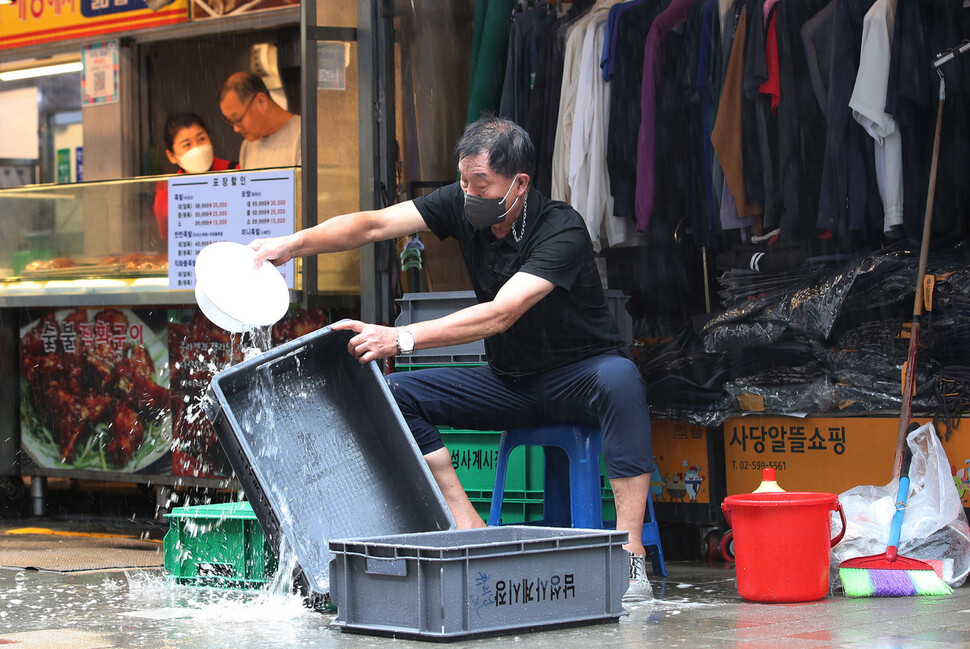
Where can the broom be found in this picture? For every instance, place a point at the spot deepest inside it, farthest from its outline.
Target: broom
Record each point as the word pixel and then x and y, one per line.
pixel 888 574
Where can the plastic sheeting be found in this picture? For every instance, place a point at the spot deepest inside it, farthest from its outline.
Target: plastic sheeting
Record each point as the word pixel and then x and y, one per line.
pixel 810 309
pixel 934 525
pixel 848 319
pixel 786 390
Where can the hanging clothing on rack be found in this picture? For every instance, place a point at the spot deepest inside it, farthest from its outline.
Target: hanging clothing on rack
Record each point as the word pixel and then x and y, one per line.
pixel 946 24
pixel 816 35
pixel 868 104
pixel 588 178
pixel 772 83
pixel 546 92
pixel 675 13
pixel 520 62
pixel 752 130
pixel 801 123
pixel 678 146
pixel 730 14
pixel 572 58
pixel 631 30
pixel 726 137
pixel 607 61
pixel 708 88
pixel 490 42
pixel 758 128
pixel 908 101
pixel 849 199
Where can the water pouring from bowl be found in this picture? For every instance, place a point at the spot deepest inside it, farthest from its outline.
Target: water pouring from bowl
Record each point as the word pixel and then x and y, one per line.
pixel 233 293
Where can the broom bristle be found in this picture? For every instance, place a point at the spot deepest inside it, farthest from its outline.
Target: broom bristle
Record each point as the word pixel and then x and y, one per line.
pixel 861 582
pixel 927 583
pixel 856 582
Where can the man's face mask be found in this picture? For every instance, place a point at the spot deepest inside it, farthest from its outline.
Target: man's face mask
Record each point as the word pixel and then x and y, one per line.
pixel 483 213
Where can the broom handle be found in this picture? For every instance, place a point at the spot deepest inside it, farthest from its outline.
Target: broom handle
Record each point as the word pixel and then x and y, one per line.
pixel 909 378
pixel 902 495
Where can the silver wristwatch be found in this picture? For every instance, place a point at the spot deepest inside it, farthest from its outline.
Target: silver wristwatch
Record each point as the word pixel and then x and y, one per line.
pixel 405 341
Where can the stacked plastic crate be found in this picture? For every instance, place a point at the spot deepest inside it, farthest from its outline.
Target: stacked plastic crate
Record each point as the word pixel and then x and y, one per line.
pixel 475 453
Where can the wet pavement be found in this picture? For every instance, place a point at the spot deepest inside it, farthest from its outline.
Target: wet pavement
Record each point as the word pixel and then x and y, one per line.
pixel 696 606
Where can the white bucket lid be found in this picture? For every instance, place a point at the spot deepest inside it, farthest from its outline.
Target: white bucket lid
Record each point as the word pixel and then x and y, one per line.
pixel 235 295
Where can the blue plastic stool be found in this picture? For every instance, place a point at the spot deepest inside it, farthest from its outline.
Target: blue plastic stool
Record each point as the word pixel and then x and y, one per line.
pixel 572 494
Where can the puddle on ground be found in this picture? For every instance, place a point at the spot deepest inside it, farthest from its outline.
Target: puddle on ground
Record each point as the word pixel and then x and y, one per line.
pixel 145 608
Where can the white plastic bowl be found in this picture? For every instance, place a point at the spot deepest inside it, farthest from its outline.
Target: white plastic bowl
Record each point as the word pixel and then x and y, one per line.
pixel 235 295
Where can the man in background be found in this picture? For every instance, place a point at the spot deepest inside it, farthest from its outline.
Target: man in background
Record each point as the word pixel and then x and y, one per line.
pixel 272 134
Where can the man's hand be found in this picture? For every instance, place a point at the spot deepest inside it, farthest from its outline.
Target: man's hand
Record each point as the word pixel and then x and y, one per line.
pixel 277 250
pixel 371 343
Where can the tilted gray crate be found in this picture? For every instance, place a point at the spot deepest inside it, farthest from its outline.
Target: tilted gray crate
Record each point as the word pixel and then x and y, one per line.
pixel 322 450
pixel 456 584
pixel 418 307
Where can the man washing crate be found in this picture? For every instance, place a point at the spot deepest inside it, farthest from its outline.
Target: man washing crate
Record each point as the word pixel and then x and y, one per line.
pixel 554 349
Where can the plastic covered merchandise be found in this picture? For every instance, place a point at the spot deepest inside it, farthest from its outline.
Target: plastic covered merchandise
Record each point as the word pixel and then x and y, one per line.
pixel 709 415
pixel 934 526
pixel 952 293
pixel 862 393
pixel 736 335
pixel 867 363
pixel 785 391
pixel 952 397
pixel 684 382
pixel 810 309
pixel 879 284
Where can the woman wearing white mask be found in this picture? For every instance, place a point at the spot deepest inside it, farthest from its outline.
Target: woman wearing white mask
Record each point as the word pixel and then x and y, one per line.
pixel 187 145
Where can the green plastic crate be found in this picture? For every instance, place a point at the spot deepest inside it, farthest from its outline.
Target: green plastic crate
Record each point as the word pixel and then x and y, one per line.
pixel 609 506
pixel 514 510
pixel 474 454
pixel 218 545
pixel 526 507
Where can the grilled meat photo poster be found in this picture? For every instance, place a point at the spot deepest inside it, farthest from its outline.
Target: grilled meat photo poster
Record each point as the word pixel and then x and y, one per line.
pixel 95 390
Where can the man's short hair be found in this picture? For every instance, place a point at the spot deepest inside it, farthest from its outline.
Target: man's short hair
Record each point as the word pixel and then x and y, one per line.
pixel 510 151
pixel 245 85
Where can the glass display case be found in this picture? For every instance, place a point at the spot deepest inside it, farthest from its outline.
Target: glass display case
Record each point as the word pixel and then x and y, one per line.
pixel 110 241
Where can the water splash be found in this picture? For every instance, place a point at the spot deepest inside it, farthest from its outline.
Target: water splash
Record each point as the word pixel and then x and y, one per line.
pixel 282 584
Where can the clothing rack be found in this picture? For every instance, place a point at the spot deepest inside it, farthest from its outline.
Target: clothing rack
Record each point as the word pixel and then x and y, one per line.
pixel 950 54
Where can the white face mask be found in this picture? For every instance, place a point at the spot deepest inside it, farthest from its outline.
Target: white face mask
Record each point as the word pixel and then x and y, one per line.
pixel 197 159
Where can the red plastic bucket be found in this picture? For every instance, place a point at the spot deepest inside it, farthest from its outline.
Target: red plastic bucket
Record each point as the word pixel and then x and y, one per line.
pixel 782 543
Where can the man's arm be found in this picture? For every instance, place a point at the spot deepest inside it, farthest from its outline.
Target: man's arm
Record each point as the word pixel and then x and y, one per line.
pixel 344 232
pixel 517 296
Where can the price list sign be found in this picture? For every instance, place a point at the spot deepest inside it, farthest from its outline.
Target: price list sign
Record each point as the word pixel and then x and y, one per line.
pixel 238 206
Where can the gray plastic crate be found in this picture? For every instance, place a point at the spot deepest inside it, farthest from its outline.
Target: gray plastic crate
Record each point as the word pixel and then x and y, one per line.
pixel 455 584
pixel 617 300
pixel 322 450
pixel 417 307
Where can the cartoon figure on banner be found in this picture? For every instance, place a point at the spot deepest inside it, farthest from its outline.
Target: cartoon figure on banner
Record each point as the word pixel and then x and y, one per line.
pixel 692 481
pixel 676 489
pixel 657 481
pixel 961 478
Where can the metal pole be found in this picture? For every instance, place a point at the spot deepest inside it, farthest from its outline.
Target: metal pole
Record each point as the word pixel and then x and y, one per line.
pixel 308 141
pixel 38 492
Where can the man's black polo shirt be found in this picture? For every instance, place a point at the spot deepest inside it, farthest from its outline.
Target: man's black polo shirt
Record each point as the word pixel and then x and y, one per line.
pixel 573 322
